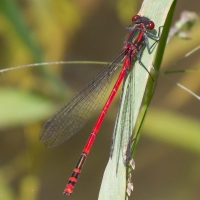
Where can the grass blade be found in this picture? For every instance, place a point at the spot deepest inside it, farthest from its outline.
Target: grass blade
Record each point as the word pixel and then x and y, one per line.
pixel 114 185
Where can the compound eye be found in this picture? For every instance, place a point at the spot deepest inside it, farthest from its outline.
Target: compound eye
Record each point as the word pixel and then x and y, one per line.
pixel 150 25
pixel 135 17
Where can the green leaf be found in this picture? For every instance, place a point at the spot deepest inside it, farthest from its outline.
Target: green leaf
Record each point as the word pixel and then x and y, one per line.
pixel 19 107
pixel 114 184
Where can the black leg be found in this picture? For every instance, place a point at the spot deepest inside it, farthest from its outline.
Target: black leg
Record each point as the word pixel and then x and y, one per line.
pixel 153 36
pixel 140 62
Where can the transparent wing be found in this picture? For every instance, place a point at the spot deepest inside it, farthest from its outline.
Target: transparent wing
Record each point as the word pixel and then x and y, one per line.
pixel 71 117
pixel 126 122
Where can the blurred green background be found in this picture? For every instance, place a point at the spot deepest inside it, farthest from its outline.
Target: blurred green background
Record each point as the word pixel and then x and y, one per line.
pixel 168 154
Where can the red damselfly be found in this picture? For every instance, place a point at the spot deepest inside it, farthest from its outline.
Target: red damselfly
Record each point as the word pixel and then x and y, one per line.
pixel 73 115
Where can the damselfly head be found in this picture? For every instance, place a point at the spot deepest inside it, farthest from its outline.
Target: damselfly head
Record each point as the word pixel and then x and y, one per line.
pixel 137 19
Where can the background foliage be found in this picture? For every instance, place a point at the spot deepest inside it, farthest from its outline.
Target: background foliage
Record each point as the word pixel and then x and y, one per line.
pixel 167 157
